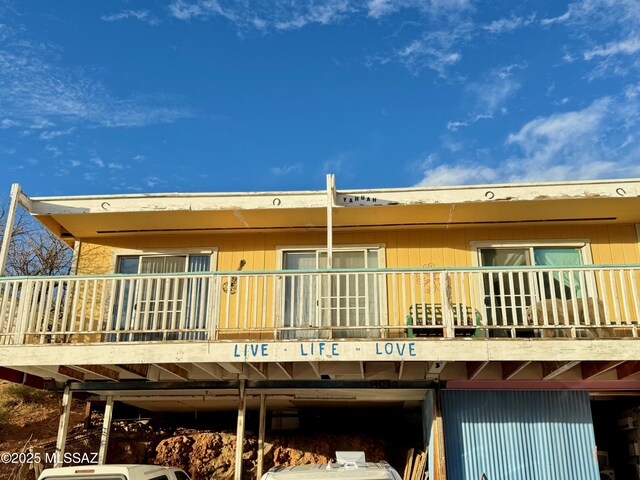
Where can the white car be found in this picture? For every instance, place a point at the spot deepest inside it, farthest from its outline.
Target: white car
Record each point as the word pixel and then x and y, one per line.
pixel 114 472
pixel 349 466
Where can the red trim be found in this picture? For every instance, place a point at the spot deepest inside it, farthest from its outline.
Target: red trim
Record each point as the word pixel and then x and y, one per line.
pixel 19 377
pixel 613 385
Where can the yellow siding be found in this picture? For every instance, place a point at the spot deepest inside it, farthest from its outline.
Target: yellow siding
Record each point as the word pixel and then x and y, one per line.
pixel 612 244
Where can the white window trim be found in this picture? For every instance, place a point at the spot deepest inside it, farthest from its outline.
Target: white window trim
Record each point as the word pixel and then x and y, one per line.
pixel 583 244
pixel 282 249
pixel 129 252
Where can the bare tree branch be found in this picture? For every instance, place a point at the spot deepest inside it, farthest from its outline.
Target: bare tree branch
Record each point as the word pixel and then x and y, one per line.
pixel 33 250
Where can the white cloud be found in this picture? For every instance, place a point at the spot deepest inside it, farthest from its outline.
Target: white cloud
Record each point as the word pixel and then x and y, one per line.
pixel 508 24
pixel 559 19
pixel 609 25
pixel 53 150
pixel 495 89
pixel 152 181
pixel 598 141
pixel 115 166
pixel 261 14
pixel 489 95
pixel 381 8
pixel 455 125
pixel 543 138
pixel 50 134
pixel 35 90
pixel 627 47
pixel 441 175
pixel 7 123
pixel 97 161
pixel 435 51
pixel 139 158
pixel 296 168
pixel 141 15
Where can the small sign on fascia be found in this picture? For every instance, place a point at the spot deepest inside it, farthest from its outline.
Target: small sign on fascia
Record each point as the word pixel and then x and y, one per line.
pixel 344 200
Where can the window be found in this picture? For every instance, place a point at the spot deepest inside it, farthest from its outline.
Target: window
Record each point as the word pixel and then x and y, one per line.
pixel 316 305
pixel 180 475
pixel 161 307
pixel 508 294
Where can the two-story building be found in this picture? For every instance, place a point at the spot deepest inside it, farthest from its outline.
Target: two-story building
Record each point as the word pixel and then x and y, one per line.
pixel 506 311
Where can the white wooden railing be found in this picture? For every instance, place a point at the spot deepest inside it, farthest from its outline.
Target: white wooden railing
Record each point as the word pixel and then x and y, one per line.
pixel 593 301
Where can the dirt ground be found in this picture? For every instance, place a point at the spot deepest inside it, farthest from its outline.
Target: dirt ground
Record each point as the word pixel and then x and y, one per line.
pixel 35 421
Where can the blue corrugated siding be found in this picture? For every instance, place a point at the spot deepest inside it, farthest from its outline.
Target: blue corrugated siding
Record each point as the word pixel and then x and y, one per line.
pixel 512 435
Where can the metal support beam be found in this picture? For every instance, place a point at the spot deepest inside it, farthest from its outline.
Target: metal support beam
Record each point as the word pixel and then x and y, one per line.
pixel 106 428
pixel 261 428
pixel 8 228
pixel 242 409
pixel 63 426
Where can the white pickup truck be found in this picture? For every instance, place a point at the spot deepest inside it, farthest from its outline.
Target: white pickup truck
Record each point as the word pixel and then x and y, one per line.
pixel 114 472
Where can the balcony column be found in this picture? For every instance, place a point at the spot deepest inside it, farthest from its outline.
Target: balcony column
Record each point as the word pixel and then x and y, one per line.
pixel 8 228
pixel 261 429
pixel 242 408
pixel 63 426
pixel 106 428
pixel 331 189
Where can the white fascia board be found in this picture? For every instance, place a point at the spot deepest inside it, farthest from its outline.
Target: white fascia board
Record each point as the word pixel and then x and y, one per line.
pixel 177 202
pixel 626 188
pixel 321 351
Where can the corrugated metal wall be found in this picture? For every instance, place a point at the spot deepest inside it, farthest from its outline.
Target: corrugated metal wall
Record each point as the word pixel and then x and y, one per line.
pixel 511 435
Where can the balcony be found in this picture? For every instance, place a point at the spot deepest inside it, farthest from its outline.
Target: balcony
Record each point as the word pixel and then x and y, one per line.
pixel 579 302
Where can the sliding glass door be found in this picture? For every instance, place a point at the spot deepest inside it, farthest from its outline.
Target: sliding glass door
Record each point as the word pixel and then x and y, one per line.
pixel 508 294
pixel 313 302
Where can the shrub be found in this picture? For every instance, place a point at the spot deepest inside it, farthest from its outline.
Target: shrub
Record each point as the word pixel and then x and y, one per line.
pixel 5 414
pixel 25 394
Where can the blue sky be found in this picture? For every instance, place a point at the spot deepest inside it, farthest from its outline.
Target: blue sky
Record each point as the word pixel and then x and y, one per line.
pixel 216 95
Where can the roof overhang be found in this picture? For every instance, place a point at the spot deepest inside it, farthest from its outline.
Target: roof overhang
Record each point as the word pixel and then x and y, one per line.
pixel 80 217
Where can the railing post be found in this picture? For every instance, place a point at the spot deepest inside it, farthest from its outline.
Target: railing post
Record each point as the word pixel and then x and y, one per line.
pixel 23 312
pixel 447 312
pixel 213 310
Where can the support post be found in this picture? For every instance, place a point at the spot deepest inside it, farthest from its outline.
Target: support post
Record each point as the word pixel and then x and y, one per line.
pixel 261 428
pixel 87 416
pixel 8 228
pixel 106 429
pixel 242 408
pixel 439 453
pixel 63 426
pixel 331 187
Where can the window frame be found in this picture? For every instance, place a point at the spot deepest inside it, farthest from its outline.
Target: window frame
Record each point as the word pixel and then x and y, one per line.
pixel 163 252
pixel 584 245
